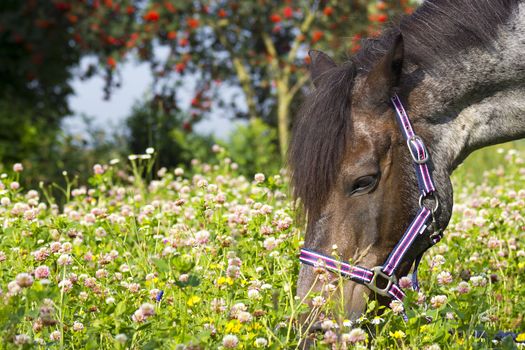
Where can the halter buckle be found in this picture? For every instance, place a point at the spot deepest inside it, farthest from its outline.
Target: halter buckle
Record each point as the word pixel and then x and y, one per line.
pixel 415 157
pixel 433 196
pixel 372 285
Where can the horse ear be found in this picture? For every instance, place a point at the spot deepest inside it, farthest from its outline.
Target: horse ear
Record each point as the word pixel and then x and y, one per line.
pixel 320 63
pixel 385 76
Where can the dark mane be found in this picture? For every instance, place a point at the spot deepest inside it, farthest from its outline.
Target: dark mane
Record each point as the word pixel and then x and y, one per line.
pixel 437 30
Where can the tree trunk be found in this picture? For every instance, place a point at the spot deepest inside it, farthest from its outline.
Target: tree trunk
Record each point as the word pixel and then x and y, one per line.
pixel 283 122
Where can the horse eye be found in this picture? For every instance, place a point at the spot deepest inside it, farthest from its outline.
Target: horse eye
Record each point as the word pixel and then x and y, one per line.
pixel 363 184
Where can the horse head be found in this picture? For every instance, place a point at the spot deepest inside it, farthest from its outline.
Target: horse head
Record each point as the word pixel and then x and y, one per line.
pixel 353 172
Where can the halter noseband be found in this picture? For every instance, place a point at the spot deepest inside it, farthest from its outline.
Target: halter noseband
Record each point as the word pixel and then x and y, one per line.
pixel 417 228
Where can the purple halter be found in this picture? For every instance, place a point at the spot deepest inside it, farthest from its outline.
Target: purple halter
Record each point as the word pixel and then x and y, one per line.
pixel 416 229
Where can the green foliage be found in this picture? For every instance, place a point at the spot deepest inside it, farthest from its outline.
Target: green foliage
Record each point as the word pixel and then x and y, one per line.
pixel 254 147
pixel 223 249
pixel 151 125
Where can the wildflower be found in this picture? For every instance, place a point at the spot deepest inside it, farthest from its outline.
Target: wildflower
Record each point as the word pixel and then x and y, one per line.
pixel 98 169
pixel 405 282
pixel 202 237
pixel 5 201
pixel 42 272
pixel 179 172
pixel 64 259
pixel 478 281
pixel 121 338
pixel 230 341
pixel 253 294
pixel 270 243
pixel 259 178
pixel 376 320
pixel 193 300
pixel 218 305
pixel 432 347
pixel 261 342
pixel 18 167
pixel 463 287
pixel 134 287
pixel 65 285
pixel 14 185
pixel 184 278
pixel 421 298
pixel 244 317
pixel 24 280
pixel 330 337
pixel 397 307
pixel 444 278
pixel 318 301
pixel 356 335
pixel 397 334
pixel 150 150
pixel 437 260
pixel 22 339
pixel 327 325
pixel 55 336
pixel 438 301
pixel 78 326
pixel 236 309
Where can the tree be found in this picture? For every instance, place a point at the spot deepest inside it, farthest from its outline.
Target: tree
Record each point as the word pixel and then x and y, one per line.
pixel 259 46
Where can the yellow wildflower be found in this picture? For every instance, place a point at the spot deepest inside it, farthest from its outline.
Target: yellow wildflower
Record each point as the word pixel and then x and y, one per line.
pixel 234 326
pixel 224 280
pixel 193 300
pixel 397 334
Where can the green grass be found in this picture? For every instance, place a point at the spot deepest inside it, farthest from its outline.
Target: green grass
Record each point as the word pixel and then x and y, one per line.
pixel 223 249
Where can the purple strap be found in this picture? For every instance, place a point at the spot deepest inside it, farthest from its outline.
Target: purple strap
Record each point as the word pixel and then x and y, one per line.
pixel 415 281
pixel 417 148
pixel 417 226
pixel 354 272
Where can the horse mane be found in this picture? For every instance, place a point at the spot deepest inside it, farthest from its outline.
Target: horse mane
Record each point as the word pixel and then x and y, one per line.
pixel 438 30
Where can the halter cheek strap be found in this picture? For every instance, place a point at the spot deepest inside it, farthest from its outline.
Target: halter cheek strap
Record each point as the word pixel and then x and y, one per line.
pixel 415 231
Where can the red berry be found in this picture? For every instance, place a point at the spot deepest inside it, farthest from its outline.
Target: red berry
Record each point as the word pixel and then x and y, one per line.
pixel 288 12
pixel 275 18
pixel 152 16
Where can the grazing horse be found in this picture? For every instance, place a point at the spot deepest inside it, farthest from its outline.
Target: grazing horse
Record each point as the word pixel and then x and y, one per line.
pixel 458 68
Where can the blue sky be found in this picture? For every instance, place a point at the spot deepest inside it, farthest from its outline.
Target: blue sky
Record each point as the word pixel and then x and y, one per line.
pixel 111 114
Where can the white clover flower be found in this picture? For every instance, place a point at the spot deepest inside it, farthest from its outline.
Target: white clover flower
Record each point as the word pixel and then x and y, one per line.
pixel 259 177
pixel 121 338
pixel 261 342
pixel 444 278
pixel 356 335
pixel 438 301
pixel 397 307
pixel 230 341
pixel 78 326
pixel 318 301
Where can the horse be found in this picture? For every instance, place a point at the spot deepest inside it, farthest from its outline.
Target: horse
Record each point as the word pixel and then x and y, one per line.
pixel 457 71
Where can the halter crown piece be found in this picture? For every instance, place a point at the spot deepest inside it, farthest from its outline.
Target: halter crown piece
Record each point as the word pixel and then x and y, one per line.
pixel 416 230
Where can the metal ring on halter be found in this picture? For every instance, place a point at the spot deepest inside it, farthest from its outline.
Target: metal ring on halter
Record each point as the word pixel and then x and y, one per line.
pixel 415 157
pixel 372 285
pixel 433 196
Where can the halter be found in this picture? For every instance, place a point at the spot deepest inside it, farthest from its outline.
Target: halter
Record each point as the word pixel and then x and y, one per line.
pixel 416 230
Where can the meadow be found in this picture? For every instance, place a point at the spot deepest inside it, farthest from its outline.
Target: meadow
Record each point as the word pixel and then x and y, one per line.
pixel 205 258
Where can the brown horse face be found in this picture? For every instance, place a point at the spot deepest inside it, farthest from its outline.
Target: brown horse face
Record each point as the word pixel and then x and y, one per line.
pixel 353 170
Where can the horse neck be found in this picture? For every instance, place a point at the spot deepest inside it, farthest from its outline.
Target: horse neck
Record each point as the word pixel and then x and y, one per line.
pixel 473 100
